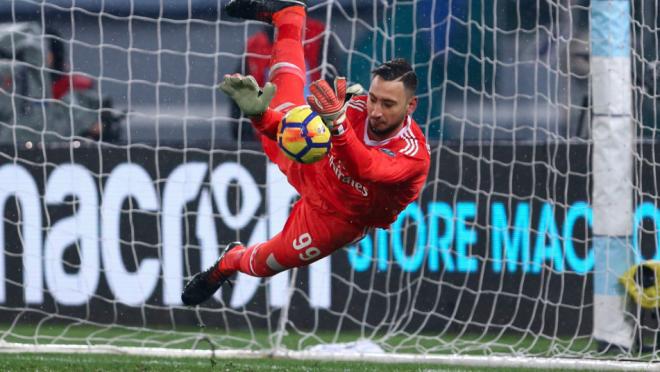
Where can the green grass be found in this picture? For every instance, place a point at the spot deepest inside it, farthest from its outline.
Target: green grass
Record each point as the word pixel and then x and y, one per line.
pixel 52 333
pixel 207 338
pixel 95 362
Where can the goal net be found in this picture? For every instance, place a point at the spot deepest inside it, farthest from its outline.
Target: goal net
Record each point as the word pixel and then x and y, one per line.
pixel 124 171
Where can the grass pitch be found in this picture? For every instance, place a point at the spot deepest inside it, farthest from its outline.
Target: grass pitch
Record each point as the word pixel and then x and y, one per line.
pixel 53 333
pixel 96 362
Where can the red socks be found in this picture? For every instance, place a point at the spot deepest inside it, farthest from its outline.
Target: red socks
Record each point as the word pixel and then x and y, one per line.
pixel 229 264
pixel 287 63
pixel 289 22
pixel 252 261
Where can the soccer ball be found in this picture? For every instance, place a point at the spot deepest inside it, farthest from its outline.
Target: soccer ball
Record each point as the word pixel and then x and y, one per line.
pixel 302 136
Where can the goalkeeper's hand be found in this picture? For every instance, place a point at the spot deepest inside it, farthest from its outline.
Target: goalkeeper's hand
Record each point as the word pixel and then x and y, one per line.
pixel 245 91
pixel 329 103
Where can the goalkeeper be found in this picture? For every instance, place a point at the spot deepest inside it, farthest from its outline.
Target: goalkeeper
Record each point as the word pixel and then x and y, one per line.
pixel 377 165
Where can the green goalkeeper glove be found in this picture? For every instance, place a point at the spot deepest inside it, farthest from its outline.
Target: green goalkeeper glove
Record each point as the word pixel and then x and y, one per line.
pixel 245 91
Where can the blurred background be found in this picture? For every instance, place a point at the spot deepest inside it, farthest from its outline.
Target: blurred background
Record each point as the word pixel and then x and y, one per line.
pixel 503 71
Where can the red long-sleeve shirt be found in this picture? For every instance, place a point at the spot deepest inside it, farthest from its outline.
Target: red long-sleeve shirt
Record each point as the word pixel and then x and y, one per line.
pixel 368 182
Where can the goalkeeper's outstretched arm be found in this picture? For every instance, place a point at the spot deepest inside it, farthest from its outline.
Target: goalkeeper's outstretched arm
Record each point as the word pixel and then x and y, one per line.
pixel 253 101
pixel 372 164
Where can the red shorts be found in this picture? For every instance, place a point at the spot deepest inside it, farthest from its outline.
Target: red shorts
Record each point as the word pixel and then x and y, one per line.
pixel 307 236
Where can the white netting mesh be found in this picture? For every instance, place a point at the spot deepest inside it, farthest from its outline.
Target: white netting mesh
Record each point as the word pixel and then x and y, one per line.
pixel 124 170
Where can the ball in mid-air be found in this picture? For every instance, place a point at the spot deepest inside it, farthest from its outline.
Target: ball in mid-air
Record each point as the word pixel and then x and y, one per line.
pixel 302 136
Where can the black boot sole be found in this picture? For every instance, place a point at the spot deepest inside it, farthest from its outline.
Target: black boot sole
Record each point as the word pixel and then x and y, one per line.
pixel 259 10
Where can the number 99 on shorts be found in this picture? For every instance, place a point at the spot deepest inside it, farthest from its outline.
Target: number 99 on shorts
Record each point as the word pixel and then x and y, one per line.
pixel 303 244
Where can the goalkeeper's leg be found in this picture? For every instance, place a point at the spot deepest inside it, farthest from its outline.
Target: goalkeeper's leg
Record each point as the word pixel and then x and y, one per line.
pixel 287 63
pixel 308 236
pixel 287 72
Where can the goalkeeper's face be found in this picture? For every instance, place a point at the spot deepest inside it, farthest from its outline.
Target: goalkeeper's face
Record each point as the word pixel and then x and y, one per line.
pixel 388 105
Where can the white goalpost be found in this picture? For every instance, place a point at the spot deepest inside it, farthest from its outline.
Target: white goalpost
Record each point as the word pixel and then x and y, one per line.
pixel 124 171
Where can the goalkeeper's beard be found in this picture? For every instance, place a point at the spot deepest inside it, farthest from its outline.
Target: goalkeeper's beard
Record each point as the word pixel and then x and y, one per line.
pixel 387 130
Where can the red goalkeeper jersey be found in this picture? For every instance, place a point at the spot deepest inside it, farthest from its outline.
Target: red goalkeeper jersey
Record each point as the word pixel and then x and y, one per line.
pixel 367 182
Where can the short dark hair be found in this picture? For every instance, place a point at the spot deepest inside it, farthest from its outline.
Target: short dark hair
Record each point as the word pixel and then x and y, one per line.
pixel 397 69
